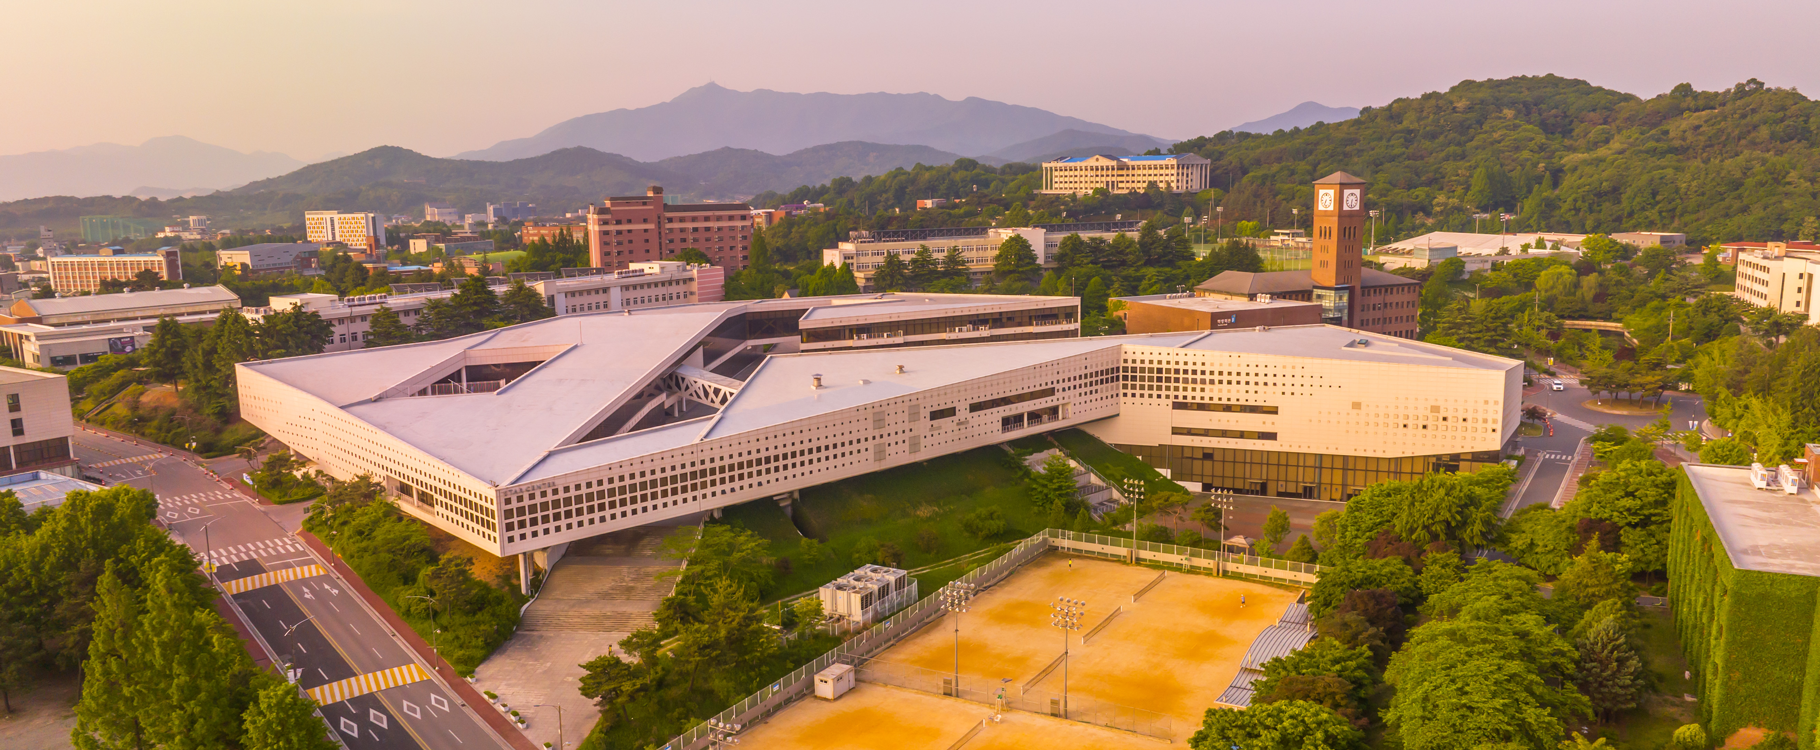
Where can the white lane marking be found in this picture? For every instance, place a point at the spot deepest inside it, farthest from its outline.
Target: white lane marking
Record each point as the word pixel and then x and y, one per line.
pixel 411 710
pixel 373 715
pixel 439 702
pixel 349 727
pixel 456 736
pixel 301 648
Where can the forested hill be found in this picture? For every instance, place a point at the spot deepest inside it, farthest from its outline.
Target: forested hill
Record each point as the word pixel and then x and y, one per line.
pixel 1561 154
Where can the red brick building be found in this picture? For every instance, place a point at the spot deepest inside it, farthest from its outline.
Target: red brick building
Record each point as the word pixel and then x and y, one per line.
pixel 642 228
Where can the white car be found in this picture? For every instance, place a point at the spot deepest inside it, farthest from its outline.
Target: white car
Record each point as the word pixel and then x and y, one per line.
pixel 1557 386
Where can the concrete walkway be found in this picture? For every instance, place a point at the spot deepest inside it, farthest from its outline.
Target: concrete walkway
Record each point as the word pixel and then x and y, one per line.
pixel 598 592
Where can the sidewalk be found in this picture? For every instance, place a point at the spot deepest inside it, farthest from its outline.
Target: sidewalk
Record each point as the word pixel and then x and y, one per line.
pixel 470 697
pixel 1570 484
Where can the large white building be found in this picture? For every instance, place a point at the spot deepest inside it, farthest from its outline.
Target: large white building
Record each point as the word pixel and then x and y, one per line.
pixel 38 423
pixel 1176 173
pixel 1780 277
pixel 361 231
pixel 865 250
pixel 554 431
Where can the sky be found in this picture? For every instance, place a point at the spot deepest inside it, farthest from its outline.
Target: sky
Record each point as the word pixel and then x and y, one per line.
pixel 324 77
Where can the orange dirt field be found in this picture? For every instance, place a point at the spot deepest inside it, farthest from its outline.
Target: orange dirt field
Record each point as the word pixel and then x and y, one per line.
pixel 1169 653
pixel 877 717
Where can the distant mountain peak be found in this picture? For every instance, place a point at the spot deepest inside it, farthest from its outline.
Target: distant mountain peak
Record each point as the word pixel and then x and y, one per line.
pixel 1300 116
pixel 114 169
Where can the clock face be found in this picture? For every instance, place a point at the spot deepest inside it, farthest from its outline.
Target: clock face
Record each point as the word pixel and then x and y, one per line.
pixel 1324 200
pixel 1352 200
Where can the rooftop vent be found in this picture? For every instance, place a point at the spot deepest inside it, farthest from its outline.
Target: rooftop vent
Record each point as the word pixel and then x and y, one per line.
pixel 818 381
pixel 900 369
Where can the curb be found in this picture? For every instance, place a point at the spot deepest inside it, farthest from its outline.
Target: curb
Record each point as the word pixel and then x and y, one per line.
pixel 470 697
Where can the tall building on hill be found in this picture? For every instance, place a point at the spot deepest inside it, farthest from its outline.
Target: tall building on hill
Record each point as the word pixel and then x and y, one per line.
pixel 1176 173
pixel 1349 294
pixel 643 228
pixel 361 231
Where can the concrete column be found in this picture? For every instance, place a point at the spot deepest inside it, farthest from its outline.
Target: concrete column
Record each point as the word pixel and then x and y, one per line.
pixel 524 573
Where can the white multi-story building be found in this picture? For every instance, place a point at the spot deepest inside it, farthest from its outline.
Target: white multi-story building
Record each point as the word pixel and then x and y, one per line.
pixel 978 246
pixel 1780 277
pixel 361 231
pixel 1175 173
pixel 38 423
pixel 269 257
pixel 442 212
pixel 554 431
pixel 72 274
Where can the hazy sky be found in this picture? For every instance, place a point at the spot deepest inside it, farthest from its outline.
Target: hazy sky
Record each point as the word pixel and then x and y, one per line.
pixel 321 76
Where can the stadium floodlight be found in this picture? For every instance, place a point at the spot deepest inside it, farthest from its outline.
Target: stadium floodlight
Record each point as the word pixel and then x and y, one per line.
pixel 954 598
pixel 1066 614
pixel 721 733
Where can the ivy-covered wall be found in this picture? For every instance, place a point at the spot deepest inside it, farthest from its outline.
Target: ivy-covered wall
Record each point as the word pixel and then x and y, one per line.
pixel 1748 635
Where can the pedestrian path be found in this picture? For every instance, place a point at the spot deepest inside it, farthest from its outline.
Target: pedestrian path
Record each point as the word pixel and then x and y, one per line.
pixel 168 502
pixel 1554 456
pixel 147 458
pixel 1571 422
pixel 371 682
pixel 282 546
pixel 270 578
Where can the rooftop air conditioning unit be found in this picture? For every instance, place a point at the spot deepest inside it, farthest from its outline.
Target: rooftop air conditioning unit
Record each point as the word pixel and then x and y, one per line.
pixel 1761 478
pixel 1790 479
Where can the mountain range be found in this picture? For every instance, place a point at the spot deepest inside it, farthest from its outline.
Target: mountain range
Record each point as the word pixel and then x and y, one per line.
pixel 168 166
pixel 1301 116
pixel 711 116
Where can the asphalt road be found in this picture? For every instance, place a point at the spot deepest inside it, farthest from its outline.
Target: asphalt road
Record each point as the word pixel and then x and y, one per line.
pixel 324 632
pixel 1573 421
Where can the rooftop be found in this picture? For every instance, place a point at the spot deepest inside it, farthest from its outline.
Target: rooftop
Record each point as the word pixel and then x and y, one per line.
pixel 1277 282
pixel 1211 304
pixel 1144 157
pixel 1763 530
pixel 12 375
pixel 39 489
pixel 909 302
pixel 102 303
pixel 1475 243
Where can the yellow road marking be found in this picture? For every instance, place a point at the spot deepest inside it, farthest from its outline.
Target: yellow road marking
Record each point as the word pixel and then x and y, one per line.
pixel 261 580
pixel 371 682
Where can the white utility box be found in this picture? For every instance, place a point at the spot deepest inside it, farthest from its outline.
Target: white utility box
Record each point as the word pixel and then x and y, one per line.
pixel 833 682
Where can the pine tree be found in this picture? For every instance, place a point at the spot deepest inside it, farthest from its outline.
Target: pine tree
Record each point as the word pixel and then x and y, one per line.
pixel 387 330
pixel 1302 551
pixel 924 268
pixel 472 304
pixel 1052 489
pixel 233 342
pixel 890 275
pixel 522 304
pixel 1611 675
pixel 760 254
pixel 164 353
pixel 1015 259
pixel 282 719
pixel 1093 298
pixel 954 266
pixel 192 662
pixel 114 676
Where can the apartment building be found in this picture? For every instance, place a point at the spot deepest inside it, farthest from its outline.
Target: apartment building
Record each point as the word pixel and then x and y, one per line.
pixel 38 423
pixel 74 274
pixel 442 212
pixel 643 228
pixel 270 257
pixel 1176 173
pixel 603 422
pixel 1778 276
pixel 865 250
pixel 360 231
pixel 511 211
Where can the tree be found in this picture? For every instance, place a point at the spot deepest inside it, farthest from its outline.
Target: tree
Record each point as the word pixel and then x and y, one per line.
pixel 1725 450
pixel 196 664
pixel 984 523
pixel 472 304
pixel 1611 676
pixel 955 269
pixel 1018 216
pixel 890 275
pixel 809 610
pixel 1052 489
pixel 614 683
pixel 1451 670
pixel 760 252
pixel 281 719
pixel 1689 737
pixel 1302 551
pixel 292 333
pixel 164 353
pixel 1350 575
pixel 386 329
pixel 1015 260
pixel 232 341
pixel 1276 528
pixel 107 714
pixel 522 304
pixel 1596 576
pixel 694 256
pixel 1283 725
pixel 925 270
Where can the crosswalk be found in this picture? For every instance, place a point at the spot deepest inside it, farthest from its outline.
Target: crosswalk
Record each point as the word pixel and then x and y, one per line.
pixel 371 682
pixel 271 577
pixel 170 502
pixel 1571 422
pixel 1554 456
pixel 280 547
pixel 145 459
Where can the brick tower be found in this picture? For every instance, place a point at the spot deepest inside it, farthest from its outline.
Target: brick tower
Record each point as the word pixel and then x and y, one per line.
pixel 1339 221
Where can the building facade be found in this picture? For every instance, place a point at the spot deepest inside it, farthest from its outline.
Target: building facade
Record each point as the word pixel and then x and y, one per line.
pixel 69 332
pixel 102 229
pixel 361 231
pixel 604 422
pixel 1176 173
pixel 865 250
pixel 1779 277
pixel 643 228
pixel 72 274
pixel 1169 313
pixel 442 212
pixel 530 233
pixel 38 423
pixel 270 257
pixel 511 211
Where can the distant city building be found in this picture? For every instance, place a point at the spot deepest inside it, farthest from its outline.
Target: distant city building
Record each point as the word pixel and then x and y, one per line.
pixel 1468 244
pixel 1778 275
pixel 511 211
pixel 1170 313
pixel 1668 240
pixel 866 250
pixel 71 274
pixel 442 212
pixel 457 245
pixel 38 424
pixel 102 229
pixel 931 203
pixel 1175 173
pixel 549 232
pixel 361 231
pixel 641 228
pixel 270 257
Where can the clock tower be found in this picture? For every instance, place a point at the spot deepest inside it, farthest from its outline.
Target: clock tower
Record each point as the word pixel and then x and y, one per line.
pixel 1338 235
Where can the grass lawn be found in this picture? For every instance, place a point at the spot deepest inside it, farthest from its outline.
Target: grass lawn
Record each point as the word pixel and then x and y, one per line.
pixel 502 256
pixel 1654 723
pixel 1530 429
pixel 1110 462
pixel 891 507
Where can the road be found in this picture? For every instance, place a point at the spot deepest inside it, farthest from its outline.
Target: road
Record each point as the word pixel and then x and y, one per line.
pixel 1573 422
pixel 323 631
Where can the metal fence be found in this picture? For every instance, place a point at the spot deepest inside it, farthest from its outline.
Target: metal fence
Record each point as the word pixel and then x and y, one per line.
pixel 988 692
pixel 861 648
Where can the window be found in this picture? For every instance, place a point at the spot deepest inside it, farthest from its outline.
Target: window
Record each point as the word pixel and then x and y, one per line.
pixel 43 451
pixel 1217 433
pixel 18 427
pixel 12 403
pixel 1233 408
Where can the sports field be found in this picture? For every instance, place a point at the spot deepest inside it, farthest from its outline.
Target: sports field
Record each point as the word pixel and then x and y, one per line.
pixel 1155 668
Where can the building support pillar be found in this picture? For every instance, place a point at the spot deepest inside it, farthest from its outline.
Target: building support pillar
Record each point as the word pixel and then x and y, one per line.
pixel 524 573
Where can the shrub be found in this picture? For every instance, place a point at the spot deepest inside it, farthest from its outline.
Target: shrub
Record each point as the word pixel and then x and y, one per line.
pixel 927 540
pixel 1689 737
pixel 984 523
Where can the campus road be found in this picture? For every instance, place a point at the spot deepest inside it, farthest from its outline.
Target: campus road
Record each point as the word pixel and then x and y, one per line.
pixel 323 631
pixel 1573 422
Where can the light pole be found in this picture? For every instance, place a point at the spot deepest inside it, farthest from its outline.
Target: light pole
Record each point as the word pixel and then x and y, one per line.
pixel 1296 220
pixel 1374 229
pixel 434 631
pixel 1475 221
pixel 1220 231
pixel 720 733
pixel 1066 615
pixel 1134 493
pixel 559 742
pixel 955 597
pixel 208 550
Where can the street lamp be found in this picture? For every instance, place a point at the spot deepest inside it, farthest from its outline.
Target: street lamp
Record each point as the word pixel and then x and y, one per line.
pixel 1134 494
pixel 955 597
pixel 1374 229
pixel 1296 221
pixel 720 733
pixel 208 550
pixel 287 631
pixel 1066 615
pixel 434 631
pixel 1220 232
pixel 559 743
